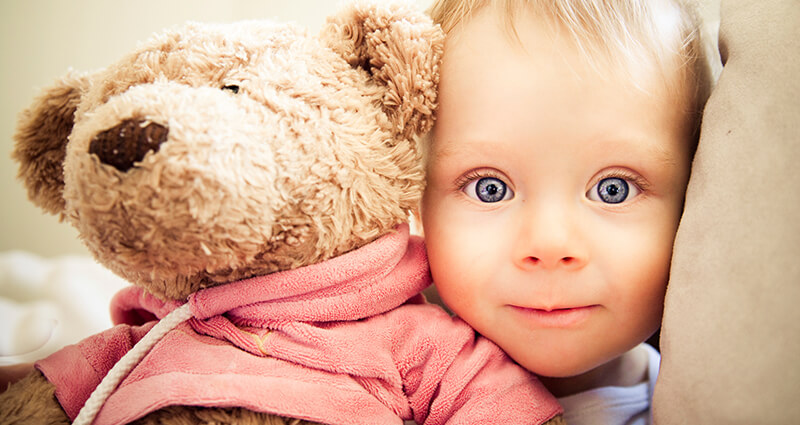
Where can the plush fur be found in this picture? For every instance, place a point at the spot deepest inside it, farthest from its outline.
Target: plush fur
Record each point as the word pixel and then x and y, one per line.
pixel 225 196
pixel 219 152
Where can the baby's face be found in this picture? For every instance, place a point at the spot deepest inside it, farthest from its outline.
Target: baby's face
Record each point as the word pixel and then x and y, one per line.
pixel 553 198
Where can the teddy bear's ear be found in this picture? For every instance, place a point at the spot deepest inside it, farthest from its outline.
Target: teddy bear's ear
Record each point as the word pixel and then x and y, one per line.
pixel 41 141
pixel 400 47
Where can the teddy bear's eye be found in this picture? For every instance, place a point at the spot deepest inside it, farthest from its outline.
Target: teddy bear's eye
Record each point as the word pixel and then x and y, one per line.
pixel 231 88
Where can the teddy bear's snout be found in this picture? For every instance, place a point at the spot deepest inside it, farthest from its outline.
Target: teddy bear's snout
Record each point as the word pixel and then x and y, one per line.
pixel 127 143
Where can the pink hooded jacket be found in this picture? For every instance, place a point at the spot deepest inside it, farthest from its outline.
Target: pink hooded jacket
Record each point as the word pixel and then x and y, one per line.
pixel 347 341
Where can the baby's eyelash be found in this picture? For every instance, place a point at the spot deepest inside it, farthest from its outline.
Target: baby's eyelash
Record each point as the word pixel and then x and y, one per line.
pixel 473 175
pixel 641 184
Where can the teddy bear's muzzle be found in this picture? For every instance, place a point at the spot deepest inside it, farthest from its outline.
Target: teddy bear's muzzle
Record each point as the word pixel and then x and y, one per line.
pixel 127 143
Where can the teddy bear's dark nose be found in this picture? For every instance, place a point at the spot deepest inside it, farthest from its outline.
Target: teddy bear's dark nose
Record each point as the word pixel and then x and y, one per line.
pixel 128 142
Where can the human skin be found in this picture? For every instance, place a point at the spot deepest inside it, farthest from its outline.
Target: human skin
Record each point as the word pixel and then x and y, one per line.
pixel 565 282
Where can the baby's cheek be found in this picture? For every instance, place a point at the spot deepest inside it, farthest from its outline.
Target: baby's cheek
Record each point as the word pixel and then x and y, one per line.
pixel 649 284
pixel 453 291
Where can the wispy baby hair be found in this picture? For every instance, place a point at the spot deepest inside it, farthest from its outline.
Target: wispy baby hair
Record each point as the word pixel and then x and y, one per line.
pixel 626 34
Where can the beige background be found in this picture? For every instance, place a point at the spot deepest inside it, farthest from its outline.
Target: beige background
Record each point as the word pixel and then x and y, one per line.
pixel 41 39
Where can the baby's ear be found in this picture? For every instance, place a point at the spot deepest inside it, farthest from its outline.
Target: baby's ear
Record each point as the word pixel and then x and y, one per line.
pixel 41 141
pixel 400 48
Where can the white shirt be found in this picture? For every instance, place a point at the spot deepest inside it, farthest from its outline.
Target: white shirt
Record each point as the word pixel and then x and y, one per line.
pixel 615 405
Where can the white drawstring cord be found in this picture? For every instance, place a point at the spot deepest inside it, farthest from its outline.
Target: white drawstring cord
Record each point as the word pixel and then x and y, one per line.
pixel 128 362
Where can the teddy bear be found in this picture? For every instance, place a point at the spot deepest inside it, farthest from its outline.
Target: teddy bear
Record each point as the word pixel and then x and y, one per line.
pixel 253 183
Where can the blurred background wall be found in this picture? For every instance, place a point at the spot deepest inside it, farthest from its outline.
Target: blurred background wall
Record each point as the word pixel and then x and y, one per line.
pixel 41 39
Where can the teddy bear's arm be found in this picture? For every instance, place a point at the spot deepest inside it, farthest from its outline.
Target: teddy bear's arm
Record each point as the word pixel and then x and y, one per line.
pixel 41 140
pixel 31 400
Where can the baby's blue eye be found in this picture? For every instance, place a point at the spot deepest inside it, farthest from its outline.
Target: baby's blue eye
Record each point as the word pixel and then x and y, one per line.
pixel 488 190
pixel 612 190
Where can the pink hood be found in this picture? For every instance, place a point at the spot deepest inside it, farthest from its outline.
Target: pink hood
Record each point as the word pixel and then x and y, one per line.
pixel 349 341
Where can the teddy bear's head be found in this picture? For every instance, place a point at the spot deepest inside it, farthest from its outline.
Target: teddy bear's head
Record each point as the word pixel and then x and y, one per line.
pixel 219 152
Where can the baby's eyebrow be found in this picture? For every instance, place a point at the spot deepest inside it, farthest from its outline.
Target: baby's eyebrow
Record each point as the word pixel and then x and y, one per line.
pixel 646 148
pixel 460 147
pixel 643 147
pixel 667 158
pixel 444 152
pixel 662 154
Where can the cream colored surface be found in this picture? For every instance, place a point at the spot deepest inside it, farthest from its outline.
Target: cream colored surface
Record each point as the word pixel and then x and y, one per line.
pixel 731 331
pixel 41 39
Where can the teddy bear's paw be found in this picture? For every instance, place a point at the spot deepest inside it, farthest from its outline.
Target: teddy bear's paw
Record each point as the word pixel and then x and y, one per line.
pixel 31 401
pixel 188 415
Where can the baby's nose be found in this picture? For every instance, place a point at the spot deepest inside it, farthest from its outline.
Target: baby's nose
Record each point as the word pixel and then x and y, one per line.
pixel 552 260
pixel 549 238
pixel 127 143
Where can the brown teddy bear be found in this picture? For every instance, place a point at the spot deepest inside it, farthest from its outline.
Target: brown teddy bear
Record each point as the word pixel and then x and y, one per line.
pixel 253 183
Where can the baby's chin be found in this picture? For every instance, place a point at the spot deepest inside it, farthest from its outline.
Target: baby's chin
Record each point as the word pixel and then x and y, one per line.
pixel 569 364
pixel 566 379
pixel 562 369
pixel 572 374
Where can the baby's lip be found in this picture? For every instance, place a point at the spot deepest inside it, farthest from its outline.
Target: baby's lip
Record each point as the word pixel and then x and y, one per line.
pixel 556 316
pixel 552 307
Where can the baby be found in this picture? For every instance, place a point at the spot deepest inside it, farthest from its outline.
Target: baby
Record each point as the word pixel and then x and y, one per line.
pixel 556 177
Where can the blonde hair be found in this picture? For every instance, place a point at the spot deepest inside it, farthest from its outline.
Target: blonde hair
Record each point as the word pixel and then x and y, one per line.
pixel 623 33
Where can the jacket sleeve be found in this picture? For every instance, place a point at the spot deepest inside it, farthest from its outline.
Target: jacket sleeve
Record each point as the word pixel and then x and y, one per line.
pixel 77 369
pixel 451 375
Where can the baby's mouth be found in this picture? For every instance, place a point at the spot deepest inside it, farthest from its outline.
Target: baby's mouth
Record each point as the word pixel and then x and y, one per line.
pixel 561 317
